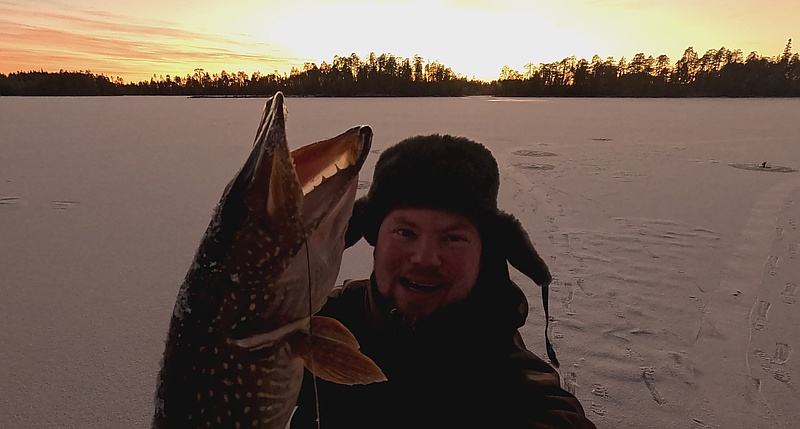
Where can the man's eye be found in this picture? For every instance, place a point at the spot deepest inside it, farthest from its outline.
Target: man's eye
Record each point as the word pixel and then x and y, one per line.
pixel 455 238
pixel 405 232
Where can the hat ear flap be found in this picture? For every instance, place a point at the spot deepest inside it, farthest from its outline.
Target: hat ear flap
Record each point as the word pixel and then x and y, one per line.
pixel 520 252
pixel 355 227
pixel 523 256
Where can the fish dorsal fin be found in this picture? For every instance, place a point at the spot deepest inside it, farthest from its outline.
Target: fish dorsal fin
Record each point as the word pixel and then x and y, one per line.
pixel 331 353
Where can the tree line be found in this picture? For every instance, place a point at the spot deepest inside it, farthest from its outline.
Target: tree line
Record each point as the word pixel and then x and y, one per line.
pixel 719 72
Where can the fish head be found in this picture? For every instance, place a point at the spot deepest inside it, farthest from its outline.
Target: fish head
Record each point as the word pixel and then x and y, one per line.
pixel 328 174
pixel 278 232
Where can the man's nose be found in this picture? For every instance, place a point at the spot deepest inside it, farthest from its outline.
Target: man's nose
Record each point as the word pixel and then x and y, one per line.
pixel 427 252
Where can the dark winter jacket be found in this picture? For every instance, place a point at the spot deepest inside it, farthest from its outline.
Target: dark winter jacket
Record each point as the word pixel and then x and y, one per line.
pixel 464 368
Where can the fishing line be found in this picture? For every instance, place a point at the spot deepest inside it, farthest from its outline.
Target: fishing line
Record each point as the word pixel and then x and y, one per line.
pixel 310 325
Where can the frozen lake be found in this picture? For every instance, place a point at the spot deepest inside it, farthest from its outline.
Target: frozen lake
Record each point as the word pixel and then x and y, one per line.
pixel 104 200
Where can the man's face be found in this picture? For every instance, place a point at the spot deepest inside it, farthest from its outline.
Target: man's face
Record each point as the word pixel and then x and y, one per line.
pixel 426 259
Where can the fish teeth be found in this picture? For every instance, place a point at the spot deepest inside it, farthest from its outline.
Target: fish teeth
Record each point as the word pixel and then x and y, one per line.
pixel 341 163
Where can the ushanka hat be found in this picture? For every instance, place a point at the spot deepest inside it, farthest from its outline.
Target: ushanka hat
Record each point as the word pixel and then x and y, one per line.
pixel 454 174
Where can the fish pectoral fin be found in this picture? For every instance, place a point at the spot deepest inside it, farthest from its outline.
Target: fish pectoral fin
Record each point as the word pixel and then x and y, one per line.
pixel 331 353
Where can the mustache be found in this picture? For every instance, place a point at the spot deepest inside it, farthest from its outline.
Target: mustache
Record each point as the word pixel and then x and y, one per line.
pixel 428 274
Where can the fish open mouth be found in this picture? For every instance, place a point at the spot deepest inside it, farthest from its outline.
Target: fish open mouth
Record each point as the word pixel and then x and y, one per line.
pixel 318 162
pixel 328 169
pixel 307 182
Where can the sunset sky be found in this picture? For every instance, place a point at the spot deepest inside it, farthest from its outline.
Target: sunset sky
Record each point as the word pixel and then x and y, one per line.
pixel 476 38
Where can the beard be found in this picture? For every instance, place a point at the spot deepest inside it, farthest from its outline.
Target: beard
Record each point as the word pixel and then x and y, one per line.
pixel 451 316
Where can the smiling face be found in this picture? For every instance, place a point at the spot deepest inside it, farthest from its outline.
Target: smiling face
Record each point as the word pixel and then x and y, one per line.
pixel 426 259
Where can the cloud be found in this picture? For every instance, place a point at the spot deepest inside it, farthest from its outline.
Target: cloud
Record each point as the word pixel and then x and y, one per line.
pixel 33 39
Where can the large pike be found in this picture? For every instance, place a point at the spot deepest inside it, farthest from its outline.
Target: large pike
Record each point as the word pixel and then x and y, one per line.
pixel 242 330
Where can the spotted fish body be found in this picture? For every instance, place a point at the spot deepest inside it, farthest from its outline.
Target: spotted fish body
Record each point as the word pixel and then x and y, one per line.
pixel 241 330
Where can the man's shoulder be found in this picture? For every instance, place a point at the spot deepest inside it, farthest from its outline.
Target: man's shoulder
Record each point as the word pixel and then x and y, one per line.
pixel 346 298
pixel 348 303
pixel 349 288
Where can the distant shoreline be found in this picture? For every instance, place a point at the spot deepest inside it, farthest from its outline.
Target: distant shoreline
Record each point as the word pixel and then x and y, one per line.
pixel 253 96
pixel 718 73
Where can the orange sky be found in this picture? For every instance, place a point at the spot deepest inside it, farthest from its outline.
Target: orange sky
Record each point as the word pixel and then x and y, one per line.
pixel 476 38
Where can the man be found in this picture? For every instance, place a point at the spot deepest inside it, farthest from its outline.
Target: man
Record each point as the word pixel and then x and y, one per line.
pixel 439 314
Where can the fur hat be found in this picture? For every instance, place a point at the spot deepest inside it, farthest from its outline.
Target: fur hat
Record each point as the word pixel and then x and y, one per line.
pixel 454 174
pixel 443 172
